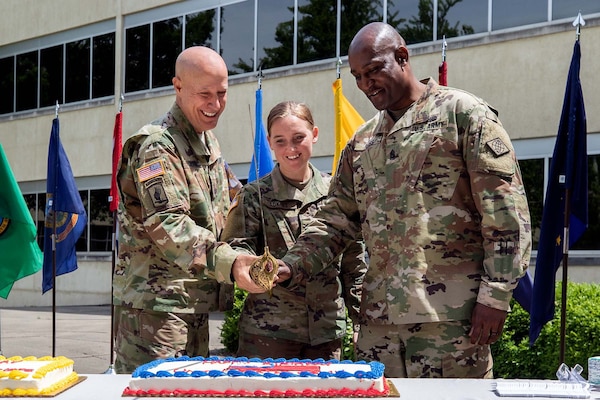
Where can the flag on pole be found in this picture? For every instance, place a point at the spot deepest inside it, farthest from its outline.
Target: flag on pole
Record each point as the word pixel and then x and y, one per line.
pixel 523 291
pixel 262 151
pixel 64 213
pixel 443 68
pixel 568 173
pixel 347 120
pixel 116 155
pixel 20 255
pixel 443 73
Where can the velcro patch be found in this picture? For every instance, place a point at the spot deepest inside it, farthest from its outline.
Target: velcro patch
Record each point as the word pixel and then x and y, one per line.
pixel 157 192
pixel 497 147
pixel 150 170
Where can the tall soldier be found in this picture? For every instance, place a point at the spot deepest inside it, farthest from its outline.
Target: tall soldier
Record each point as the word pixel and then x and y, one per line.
pixel 433 184
pixel 174 188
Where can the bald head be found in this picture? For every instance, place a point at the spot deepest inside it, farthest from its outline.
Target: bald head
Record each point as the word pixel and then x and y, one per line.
pixel 378 37
pixel 199 59
pixel 200 84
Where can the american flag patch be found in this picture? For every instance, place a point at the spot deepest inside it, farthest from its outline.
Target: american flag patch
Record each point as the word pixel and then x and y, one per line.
pixel 151 170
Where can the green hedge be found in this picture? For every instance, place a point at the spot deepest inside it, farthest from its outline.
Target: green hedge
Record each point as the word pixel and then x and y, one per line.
pixel 230 330
pixel 513 358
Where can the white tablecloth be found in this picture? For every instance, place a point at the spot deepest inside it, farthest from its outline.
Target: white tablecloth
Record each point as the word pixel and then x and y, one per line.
pixel 107 387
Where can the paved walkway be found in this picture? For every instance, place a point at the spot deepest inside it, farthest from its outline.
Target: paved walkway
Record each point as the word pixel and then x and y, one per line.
pixel 82 333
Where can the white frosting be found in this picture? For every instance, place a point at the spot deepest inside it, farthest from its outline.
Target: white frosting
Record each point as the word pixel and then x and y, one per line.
pixel 300 375
pixel 30 367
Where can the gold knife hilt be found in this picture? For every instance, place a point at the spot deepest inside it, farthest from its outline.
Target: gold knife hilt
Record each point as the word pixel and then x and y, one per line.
pixel 261 274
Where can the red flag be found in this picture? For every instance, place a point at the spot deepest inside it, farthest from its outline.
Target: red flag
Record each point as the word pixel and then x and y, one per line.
pixel 116 155
pixel 443 70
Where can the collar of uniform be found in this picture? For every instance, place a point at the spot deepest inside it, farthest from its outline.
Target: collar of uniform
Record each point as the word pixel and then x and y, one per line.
pixel 207 150
pixel 284 191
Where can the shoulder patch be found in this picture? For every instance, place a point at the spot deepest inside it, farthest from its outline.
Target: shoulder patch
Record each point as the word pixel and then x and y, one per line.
pixel 158 194
pixel 150 170
pixel 4 222
pixel 497 147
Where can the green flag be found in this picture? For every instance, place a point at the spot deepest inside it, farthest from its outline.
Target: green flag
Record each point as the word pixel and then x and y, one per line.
pixel 20 254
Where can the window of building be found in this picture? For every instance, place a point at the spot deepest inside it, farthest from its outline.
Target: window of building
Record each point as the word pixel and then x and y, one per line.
pixel 166 45
pixel 275 33
pixel 569 8
pixel 7 79
pixel 51 76
pixel 77 71
pixel 200 29
pixel 513 13
pixel 103 65
pixel 60 73
pixel 137 58
pixel 26 81
pixel 237 36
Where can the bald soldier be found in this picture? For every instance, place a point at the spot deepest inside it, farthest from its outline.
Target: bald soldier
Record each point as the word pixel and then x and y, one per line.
pixel 433 184
pixel 175 191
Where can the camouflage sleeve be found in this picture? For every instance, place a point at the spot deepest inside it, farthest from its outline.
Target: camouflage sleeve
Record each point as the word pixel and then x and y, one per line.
pixel 499 195
pixel 162 188
pixel 335 225
pixel 242 226
pixel 353 267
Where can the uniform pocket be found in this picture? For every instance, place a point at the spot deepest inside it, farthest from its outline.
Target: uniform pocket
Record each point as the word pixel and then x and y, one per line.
pixel 441 167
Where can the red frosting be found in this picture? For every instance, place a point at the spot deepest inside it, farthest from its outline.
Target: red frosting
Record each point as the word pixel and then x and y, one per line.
pixel 272 393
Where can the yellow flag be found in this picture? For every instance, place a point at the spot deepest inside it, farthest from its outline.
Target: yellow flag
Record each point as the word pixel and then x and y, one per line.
pixel 347 120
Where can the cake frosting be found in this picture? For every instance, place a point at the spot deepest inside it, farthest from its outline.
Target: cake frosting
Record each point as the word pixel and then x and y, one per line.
pixel 243 377
pixel 31 376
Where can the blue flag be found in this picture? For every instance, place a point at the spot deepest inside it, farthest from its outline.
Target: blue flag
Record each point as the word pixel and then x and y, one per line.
pixel 568 174
pixel 262 152
pixel 64 202
pixel 523 292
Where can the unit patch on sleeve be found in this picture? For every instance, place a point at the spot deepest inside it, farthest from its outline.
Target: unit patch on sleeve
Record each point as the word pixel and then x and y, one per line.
pixel 497 147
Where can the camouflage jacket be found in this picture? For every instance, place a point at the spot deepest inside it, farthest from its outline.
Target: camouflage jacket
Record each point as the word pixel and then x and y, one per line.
pixel 174 192
pixel 439 199
pixel 315 311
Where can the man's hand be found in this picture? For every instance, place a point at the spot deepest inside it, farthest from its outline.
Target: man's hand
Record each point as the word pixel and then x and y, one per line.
pixel 241 273
pixel 486 324
pixel 283 273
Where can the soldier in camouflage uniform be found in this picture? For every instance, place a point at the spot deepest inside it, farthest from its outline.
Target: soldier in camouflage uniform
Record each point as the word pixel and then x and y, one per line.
pixel 174 189
pixel 432 183
pixel 310 320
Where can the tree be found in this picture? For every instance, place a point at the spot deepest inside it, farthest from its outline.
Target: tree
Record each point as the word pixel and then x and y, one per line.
pixel 419 28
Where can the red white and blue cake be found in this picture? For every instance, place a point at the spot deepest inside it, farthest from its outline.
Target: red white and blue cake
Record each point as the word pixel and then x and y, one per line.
pixel 243 377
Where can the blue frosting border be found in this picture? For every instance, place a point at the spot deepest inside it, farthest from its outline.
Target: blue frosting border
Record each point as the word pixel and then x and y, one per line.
pixel 142 371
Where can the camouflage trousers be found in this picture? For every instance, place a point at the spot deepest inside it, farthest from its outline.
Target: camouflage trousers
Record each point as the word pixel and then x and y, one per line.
pixel 142 336
pixel 427 350
pixel 271 347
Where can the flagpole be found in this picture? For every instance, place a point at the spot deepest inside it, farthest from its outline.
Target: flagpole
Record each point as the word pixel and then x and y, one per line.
pixel 111 366
pixel 53 208
pixel 578 22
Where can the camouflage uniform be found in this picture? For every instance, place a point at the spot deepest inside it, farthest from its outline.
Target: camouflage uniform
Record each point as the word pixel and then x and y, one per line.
pixel 314 313
pixel 175 193
pixel 440 202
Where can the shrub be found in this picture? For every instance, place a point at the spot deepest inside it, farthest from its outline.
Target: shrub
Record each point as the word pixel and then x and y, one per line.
pixel 513 358
pixel 230 332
